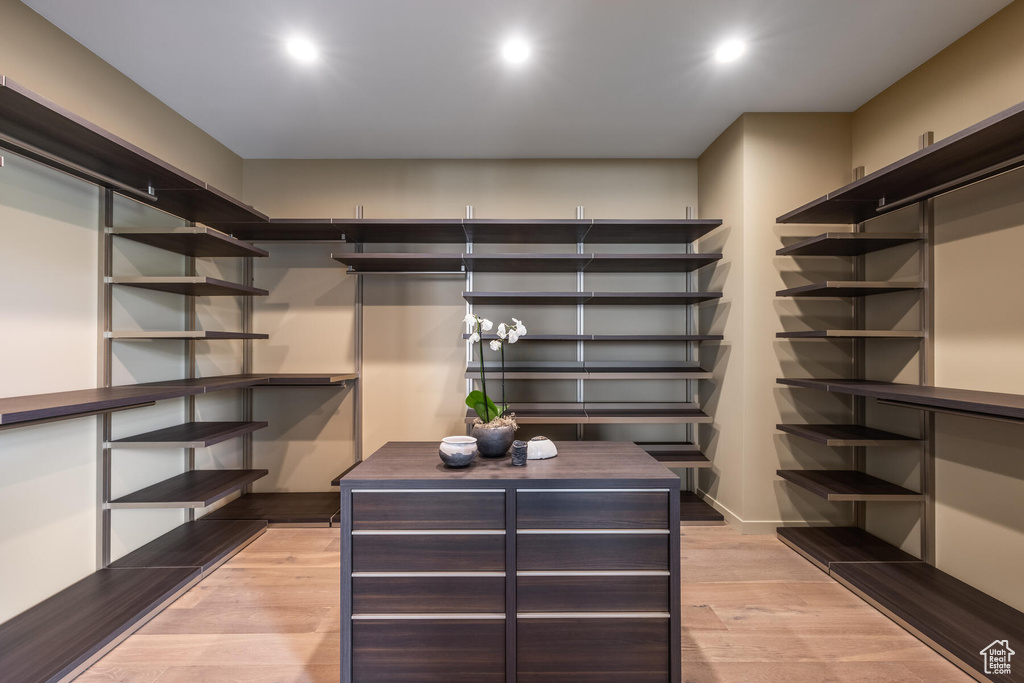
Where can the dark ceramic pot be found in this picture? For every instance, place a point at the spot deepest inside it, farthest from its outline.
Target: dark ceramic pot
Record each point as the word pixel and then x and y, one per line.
pixel 493 442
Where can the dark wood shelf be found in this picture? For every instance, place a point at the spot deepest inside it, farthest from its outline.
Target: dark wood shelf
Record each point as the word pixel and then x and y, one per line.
pixel 189 435
pixel 189 285
pixel 309 379
pixel 194 489
pixel 848 485
pixel 38 129
pixel 415 230
pixel 401 263
pixel 337 480
pixel 693 511
pixel 597 413
pixel 824 545
pixel 197 335
pixel 594 370
pixel 955 619
pixel 841 288
pixel 202 544
pixel 988 148
pixel 964 402
pixel 848 243
pixel 526 231
pixel 61 636
pixel 590 298
pixel 523 262
pixel 197 241
pixel 612 231
pixel 846 435
pixel 679 455
pixel 612 337
pixel 281 508
pixel 851 334
pixel 650 263
pixel 286 229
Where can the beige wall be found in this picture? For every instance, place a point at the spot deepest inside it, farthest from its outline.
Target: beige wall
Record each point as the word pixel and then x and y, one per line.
pixel 414 359
pixel 36 54
pixel 49 237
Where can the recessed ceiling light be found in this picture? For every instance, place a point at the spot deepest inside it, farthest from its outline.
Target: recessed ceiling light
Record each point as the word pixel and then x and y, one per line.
pixel 302 49
pixel 515 51
pixel 730 50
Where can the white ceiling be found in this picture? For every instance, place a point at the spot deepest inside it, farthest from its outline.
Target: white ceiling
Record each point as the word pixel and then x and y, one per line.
pixel 423 78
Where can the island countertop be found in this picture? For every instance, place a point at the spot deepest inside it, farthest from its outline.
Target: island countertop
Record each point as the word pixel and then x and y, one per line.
pixel 578 463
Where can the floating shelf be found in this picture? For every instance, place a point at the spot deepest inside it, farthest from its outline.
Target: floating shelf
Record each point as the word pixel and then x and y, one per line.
pixel 337 480
pixel 590 298
pixel 611 231
pixel 595 370
pixel 846 435
pixel 189 435
pixel 612 337
pixel 310 379
pixel 528 263
pixel 824 545
pixel 281 508
pixel 839 288
pixel 693 511
pixel 194 489
pixel 964 402
pixel 197 335
pixel 414 230
pixel 202 544
pixel 38 129
pixel 848 485
pixel 988 148
pixel 189 285
pixel 286 229
pixel 598 413
pixel 679 455
pixel 848 243
pixel 61 636
pixel 197 241
pixel 852 334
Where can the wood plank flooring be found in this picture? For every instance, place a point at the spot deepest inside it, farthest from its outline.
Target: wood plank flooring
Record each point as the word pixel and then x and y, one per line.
pixel 753 612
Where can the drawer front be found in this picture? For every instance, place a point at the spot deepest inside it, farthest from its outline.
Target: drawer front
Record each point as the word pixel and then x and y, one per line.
pixel 420 509
pixel 427 594
pixel 428 552
pixel 592 593
pixel 428 651
pixel 592 510
pixel 597 650
pixel 591 552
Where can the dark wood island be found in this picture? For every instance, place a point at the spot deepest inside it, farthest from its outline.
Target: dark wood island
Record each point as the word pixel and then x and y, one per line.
pixel 564 570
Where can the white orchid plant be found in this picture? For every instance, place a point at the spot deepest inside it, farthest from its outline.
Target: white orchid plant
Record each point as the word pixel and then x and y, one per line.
pixel 478 400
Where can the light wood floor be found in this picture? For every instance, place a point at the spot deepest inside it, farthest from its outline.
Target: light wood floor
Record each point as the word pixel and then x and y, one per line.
pixel 753 612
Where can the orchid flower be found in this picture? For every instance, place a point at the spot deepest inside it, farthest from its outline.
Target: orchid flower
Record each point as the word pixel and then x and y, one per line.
pixel 495 345
pixel 513 336
pixel 502 331
pixel 520 327
pixel 485 324
pixel 474 338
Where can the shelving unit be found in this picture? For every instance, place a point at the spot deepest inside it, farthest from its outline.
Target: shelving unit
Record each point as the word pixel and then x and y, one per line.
pixel 184 335
pixel 189 435
pixel 611 337
pixel 596 370
pixel 194 285
pixel 305 509
pixel 952 617
pixel 590 298
pixel 195 241
pixel 191 489
pixel 842 288
pixel 524 263
pixel 203 544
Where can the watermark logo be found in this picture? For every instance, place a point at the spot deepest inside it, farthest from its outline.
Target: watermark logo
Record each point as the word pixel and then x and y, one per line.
pixel 997 657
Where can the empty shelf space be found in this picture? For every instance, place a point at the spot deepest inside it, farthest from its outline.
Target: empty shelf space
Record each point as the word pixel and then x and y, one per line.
pixel 612 337
pixel 286 229
pixel 401 263
pixel 590 298
pixel 41 130
pixel 965 402
pixel 553 414
pixel 202 544
pixel 846 435
pixel 823 545
pixel 983 150
pixel 955 619
pixel 61 636
pixel 194 489
pixel 526 231
pixel 282 508
pixel 197 241
pixel 189 435
pixel 851 334
pixel 848 485
pixel 693 511
pixel 670 231
pixel 594 370
pixel 198 335
pixel 843 288
pixel 650 263
pixel 309 379
pixel 679 455
pixel 597 413
pixel 520 262
pixel 848 243
pixel 189 285
pixel 403 230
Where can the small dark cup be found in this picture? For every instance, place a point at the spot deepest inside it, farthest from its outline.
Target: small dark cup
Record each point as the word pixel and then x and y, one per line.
pixel 519 453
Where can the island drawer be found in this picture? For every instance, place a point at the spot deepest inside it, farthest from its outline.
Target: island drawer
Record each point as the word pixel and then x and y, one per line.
pixel 592 509
pixel 427 509
pixel 428 594
pixel 428 650
pixel 592 593
pixel 592 650
pixel 592 551
pixel 428 552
